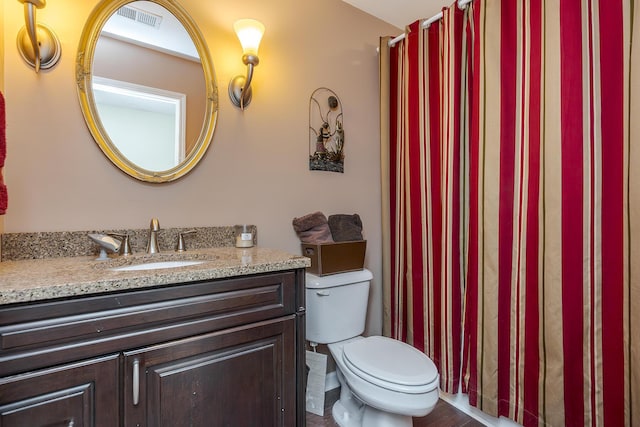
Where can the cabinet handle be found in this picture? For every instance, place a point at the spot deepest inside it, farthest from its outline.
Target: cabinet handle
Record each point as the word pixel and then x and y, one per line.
pixel 136 382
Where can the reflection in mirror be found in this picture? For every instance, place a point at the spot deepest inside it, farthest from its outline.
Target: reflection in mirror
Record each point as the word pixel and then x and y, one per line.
pixel 147 87
pixel 145 124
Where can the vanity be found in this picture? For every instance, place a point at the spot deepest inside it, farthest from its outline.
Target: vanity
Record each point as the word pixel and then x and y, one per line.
pixel 219 343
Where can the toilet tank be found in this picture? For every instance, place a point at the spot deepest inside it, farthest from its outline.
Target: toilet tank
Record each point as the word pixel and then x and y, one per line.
pixel 336 305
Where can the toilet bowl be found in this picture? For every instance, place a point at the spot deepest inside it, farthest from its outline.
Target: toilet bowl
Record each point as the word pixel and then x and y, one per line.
pixel 384 382
pixel 390 381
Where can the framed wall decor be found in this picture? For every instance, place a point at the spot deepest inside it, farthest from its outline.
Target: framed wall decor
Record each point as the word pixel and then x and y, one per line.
pixel 326 131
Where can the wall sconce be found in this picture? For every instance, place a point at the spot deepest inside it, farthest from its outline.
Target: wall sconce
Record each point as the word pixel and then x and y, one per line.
pixel 250 33
pixel 38 44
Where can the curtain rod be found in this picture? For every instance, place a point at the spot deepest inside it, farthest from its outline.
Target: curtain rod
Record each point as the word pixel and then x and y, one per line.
pixel 461 4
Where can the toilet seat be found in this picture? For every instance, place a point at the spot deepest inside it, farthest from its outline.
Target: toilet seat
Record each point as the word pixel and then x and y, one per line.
pixel 391 364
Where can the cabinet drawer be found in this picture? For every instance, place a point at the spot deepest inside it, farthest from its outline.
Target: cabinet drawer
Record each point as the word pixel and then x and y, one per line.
pixel 110 322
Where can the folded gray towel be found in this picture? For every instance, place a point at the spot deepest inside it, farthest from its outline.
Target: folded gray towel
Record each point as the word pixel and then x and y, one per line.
pixel 313 228
pixel 345 228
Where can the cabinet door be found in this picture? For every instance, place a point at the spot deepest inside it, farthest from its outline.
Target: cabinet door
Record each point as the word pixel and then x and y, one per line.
pixel 79 394
pixel 244 376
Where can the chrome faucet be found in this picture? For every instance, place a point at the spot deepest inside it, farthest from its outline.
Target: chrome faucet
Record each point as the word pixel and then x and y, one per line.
pixel 154 227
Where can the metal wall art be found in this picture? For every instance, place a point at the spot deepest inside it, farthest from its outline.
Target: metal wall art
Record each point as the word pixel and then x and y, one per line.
pixel 326 131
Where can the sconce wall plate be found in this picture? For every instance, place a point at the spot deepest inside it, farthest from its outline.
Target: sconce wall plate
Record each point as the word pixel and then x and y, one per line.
pixel 49 47
pixel 240 97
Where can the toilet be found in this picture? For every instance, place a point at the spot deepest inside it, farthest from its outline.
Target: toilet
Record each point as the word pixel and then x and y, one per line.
pixel 384 382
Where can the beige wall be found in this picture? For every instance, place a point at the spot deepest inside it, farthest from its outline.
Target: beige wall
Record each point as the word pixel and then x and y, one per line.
pixel 256 170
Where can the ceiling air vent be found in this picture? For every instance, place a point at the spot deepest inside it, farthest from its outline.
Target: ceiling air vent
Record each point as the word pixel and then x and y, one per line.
pixel 141 16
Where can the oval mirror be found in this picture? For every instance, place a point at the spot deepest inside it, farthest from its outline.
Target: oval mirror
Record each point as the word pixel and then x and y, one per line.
pixel 147 87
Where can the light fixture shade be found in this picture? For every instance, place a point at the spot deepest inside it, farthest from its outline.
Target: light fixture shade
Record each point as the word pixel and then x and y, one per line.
pixel 250 33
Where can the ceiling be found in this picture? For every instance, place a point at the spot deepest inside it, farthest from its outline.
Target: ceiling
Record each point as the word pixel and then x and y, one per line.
pixel 168 32
pixel 400 12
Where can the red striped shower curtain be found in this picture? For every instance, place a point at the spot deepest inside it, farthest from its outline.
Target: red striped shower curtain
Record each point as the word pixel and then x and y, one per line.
pixel 550 198
pixel 426 164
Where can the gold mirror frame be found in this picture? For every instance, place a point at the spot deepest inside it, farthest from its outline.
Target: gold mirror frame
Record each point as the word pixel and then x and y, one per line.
pixel 84 63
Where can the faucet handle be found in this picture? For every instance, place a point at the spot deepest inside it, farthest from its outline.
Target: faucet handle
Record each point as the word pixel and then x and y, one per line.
pixel 106 243
pixel 180 246
pixel 125 247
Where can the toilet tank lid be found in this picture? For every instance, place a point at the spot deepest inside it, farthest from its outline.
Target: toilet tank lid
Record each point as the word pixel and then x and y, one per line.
pixel 339 279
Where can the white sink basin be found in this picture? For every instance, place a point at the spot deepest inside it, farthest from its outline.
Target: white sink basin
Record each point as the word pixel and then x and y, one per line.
pixel 157 265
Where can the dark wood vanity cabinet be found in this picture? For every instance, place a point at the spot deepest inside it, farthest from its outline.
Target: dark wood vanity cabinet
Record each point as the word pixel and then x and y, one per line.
pixel 226 352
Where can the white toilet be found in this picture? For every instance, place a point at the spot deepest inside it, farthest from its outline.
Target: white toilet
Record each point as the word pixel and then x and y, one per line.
pixel 384 382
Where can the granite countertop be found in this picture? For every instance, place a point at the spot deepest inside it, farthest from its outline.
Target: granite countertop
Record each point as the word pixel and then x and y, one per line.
pixel 41 279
